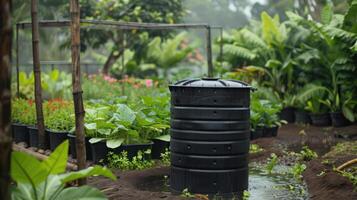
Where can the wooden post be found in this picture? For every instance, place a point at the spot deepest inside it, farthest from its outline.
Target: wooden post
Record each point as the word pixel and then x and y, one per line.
pixel 37 73
pixel 77 89
pixel 5 98
pixel 209 51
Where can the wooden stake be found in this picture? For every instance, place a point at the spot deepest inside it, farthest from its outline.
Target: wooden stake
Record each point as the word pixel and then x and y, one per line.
pixel 37 73
pixel 77 89
pixel 5 98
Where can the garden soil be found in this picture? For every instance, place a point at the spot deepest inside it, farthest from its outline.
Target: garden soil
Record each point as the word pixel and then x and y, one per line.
pixel 326 185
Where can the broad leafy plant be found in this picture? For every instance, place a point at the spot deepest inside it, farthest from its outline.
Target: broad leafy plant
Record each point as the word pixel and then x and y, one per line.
pixel 167 54
pixel 46 180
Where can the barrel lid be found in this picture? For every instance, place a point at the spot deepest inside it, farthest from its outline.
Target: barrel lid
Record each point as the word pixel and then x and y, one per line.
pixel 211 83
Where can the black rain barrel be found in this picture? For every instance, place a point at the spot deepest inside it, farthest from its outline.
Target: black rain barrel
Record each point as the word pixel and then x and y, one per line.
pixel 210 135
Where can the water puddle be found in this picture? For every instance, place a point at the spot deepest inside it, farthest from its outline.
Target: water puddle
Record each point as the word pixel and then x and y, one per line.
pixel 275 187
pixel 262 186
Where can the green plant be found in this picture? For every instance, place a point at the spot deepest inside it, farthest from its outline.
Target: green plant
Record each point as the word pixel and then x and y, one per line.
pixel 307 154
pixel 255 148
pixel 59 115
pixel 187 194
pixel 297 170
pixel 46 180
pixel 122 161
pixel 57 84
pixel 166 157
pixel 23 111
pixel 272 162
pixel 167 54
pixel 246 195
pixel 265 113
pixel 351 175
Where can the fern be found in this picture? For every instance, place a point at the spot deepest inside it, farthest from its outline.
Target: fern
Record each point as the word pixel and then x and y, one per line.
pixel 239 51
pixel 253 39
pixel 326 14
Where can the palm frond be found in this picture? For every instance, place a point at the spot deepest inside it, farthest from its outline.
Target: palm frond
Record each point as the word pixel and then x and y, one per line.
pixel 239 51
pixel 309 91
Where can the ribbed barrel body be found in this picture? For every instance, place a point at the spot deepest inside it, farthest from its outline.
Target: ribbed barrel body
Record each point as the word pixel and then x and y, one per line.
pixel 210 134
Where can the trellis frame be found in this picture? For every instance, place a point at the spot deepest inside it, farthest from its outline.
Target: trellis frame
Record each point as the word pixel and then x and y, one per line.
pixel 96 24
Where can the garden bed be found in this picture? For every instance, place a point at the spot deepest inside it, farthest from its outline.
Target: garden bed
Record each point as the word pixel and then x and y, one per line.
pixel 146 184
pixel 149 183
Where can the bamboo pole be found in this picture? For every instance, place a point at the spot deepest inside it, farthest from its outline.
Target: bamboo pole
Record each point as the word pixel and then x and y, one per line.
pixel 77 89
pixel 5 98
pixel 37 74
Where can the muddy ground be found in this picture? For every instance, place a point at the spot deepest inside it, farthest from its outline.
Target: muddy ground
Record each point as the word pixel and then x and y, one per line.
pixel 329 185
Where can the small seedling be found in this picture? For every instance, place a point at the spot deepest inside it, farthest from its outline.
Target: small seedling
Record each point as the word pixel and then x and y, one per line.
pixel 246 195
pixel 272 162
pixel 254 148
pixel 185 193
pixel 297 170
pixel 165 157
pixel 307 154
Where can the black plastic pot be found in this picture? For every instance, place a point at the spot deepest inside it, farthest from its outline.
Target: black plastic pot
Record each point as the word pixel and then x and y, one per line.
pixel 158 148
pixel 100 150
pixel 56 138
pixel 288 114
pixel 257 133
pixel 320 119
pixel 33 137
pixel 20 133
pixel 338 119
pixel 133 149
pixel 270 131
pixel 302 117
pixel 72 147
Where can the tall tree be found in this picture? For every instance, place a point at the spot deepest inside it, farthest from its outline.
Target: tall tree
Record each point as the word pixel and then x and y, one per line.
pixel 5 97
pixel 77 89
pixel 37 73
pixel 158 11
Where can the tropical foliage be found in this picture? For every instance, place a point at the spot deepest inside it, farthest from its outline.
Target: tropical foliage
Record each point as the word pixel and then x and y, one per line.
pixel 46 179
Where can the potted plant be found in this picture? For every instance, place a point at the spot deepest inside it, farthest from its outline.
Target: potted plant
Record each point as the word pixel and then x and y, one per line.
pixel 59 121
pixel 270 118
pixel 341 108
pixel 288 111
pixel 153 122
pixel 318 112
pixel 111 128
pixel 257 126
pixel 21 111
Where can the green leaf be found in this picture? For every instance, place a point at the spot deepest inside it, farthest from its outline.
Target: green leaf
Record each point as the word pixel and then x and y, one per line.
pixel 165 138
pixel 56 163
pixel 81 193
pixel 114 143
pixel 27 169
pixel 90 126
pixel 95 140
pixel 326 14
pixel 90 171
pixel 348 113
pixel 125 114
pixel 270 29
